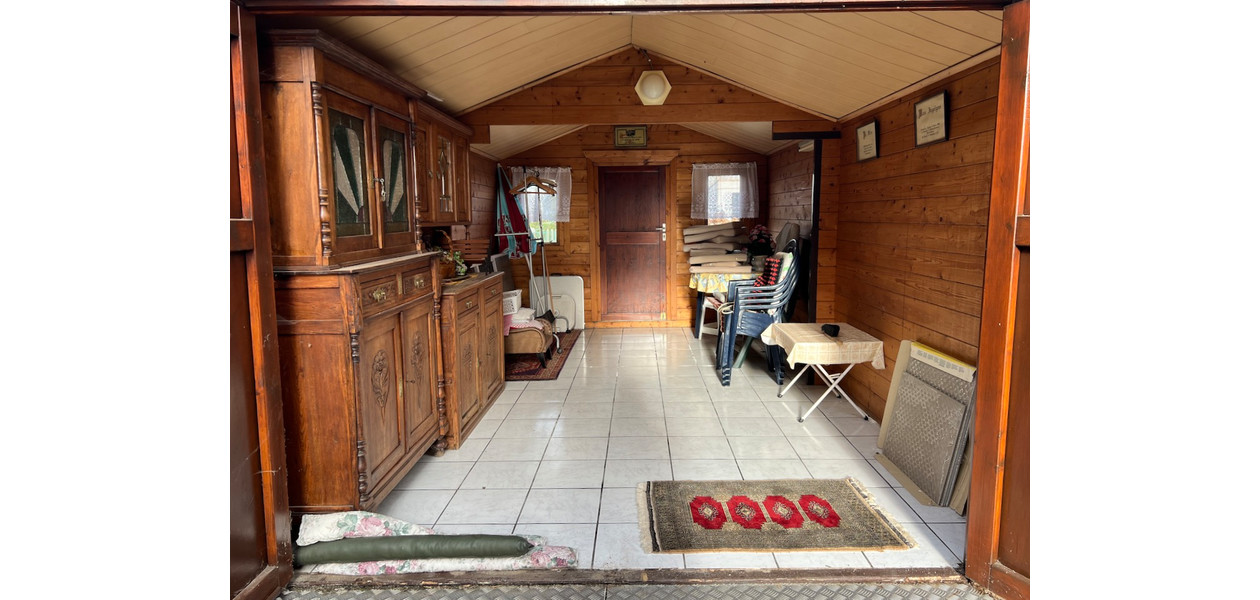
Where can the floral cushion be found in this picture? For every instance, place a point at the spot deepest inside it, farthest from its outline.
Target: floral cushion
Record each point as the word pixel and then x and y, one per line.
pixel 352 524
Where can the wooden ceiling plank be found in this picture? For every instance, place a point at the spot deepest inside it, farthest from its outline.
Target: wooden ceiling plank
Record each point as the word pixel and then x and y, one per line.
pixel 494 36
pixel 934 32
pixel 751 135
pixel 351 29
pixel 685 44
pixel 442 38
pixel 526 138
pixel 492 78
pixel 825 33
pixel 383 38
pixel 892 37
pixel 774 46
pixel 510 46
pixel 556 76
pixel 987 25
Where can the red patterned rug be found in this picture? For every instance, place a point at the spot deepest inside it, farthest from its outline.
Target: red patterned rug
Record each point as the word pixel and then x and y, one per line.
pixel 774 515
pixel 527 367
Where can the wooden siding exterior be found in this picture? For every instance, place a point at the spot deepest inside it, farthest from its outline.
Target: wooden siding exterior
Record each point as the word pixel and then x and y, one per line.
pixel 901 241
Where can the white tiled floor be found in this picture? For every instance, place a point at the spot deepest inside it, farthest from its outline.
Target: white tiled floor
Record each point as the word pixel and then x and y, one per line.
pixel 562 458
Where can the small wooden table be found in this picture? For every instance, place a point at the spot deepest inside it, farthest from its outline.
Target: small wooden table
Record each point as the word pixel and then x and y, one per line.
pixel 805 343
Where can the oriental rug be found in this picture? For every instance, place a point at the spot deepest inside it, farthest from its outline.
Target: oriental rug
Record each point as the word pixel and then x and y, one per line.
pixel 527 367
pixel 779 515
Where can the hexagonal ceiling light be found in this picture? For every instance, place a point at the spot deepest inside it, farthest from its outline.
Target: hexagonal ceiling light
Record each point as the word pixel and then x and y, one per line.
pixel 652 88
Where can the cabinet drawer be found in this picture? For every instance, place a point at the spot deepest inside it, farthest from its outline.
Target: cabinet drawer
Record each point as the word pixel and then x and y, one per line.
pixel 492 297
pixel 467 303
pixel 417 283
pixel 379 293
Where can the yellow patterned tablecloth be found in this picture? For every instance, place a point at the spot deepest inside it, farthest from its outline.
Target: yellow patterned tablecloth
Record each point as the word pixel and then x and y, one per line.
pixel 805 343
pixel 716 282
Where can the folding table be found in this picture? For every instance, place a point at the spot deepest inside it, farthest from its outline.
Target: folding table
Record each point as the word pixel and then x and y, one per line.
pixel 806 343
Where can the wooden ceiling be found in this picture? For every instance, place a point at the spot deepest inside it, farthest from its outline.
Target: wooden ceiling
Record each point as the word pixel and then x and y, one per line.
pixel 830 65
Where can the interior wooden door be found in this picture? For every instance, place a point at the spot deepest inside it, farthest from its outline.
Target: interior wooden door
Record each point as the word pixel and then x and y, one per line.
pixel 998 536
pixel 632 234
pixel 260 551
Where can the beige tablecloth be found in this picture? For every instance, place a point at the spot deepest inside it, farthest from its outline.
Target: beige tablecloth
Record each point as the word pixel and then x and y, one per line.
pixel 716 282
pixel 805 343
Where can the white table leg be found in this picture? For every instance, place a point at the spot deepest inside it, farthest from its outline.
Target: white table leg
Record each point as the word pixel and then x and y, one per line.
pixel 835 385
pixel 784 390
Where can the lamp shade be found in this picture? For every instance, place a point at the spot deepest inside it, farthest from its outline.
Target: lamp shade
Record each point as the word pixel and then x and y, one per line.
pixel 653 87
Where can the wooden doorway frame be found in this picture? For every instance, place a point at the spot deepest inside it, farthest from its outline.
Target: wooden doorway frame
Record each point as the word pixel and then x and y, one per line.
pixel 1008 232
pixel 250 238
pixel 627 158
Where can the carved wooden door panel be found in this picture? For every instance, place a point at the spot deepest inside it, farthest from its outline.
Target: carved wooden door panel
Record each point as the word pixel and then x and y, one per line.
pixel 419 388
pixel 491 350
pixel 632 238
pixel 468 359
pixel 379 381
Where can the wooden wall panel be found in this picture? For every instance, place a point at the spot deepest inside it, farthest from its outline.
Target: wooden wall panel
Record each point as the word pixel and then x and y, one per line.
pixel 482 176
pixel 902 237
pixel 577 250
pixel 791 179
pixel 602 92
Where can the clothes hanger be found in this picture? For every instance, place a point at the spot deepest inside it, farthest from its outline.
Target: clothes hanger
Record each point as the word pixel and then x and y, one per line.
pixel 531 180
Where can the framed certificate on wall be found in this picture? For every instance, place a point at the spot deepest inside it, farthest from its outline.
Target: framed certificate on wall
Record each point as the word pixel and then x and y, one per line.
pixel 630 136
pixel 931 120
pixel 868 141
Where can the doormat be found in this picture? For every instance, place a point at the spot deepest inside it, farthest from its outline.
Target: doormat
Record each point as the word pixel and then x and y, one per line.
pixel 527 367
pixel 778 515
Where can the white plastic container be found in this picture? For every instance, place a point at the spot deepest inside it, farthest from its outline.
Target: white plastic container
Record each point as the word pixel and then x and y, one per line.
pixel 511 302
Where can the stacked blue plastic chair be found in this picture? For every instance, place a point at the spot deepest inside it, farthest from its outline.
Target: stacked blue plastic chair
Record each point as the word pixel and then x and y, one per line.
pixel 749 310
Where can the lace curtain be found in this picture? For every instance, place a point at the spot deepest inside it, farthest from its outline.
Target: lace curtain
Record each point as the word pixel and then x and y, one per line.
pixel 538 206
pixel 724 190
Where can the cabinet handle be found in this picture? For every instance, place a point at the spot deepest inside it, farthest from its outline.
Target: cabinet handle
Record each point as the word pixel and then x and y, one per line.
pixel 379 294
pixel 381 182
pixel 468 304
pixel 420 282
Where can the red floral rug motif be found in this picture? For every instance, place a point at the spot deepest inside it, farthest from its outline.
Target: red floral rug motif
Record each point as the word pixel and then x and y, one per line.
pixel 776 515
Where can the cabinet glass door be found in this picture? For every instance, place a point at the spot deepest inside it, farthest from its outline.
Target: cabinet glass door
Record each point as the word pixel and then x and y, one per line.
pixel 351 186
pixel 394 179
pixel 444 174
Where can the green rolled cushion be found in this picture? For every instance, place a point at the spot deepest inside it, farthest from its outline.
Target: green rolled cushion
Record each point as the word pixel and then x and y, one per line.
pixel 403 547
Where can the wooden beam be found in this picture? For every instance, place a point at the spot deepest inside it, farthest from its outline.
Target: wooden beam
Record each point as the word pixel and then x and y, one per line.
pixel 621 114
pixel 480 134
pixel 577 7
pixel 816 129
pixel 997 314
pixel 631 157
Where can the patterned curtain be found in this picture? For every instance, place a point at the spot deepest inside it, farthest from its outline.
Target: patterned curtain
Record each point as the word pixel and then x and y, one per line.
pixel 724 190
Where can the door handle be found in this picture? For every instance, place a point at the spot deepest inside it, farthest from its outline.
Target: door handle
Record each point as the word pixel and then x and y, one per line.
pixel 662 230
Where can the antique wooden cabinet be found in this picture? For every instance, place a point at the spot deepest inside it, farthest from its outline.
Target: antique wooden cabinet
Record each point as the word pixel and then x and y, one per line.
pixel 472 351
pixel 359 372
pixel 449 184
pixel 353 161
